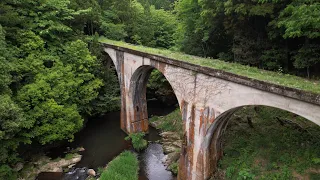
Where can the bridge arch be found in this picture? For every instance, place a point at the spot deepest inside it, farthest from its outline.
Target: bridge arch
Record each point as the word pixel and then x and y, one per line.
pixel 138 91
pixel 212 143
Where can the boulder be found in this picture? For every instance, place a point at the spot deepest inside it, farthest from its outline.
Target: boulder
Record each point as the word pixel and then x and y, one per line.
pixel 81 149
pixel 170 136
pixel 18 166
pixel 71 166
pixel 178 143
pixel 57 166
pixel 155 124
pixel 78 174
pixel 166 134
pixel 167 143
pixel 164 159
pixel 169 149
pixel 56 169
pixel 91 172
pixel 172 157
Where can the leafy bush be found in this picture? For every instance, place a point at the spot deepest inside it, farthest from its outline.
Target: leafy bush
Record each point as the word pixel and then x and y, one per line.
pixel 245 174
pixel 137 141
pixel 7 173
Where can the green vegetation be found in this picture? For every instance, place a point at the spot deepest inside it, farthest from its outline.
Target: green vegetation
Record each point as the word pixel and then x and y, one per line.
pixel 174 167
pixel 171 122
pixel 269 34
pixel 123 167
pixel 137 141
pixel 53 74
pixel 70 156
pixel 275 145
pixel 236 68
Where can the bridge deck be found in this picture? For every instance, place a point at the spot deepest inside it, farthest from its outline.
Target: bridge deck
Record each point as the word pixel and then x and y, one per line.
pixel 283 84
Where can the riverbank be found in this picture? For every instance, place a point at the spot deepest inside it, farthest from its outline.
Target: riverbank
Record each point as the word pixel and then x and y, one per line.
pixel 171 127
pixel 103 140
pixel 43 164
pixel 123 167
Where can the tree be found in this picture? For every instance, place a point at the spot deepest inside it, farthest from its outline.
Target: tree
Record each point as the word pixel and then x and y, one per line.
pixel 49 80
pixel 12 121
pixel 190 36
pixel 5 66
pixel 60 94
pixel 300 19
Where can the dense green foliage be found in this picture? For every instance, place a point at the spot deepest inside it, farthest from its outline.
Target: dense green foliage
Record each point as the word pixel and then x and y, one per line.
pixel 135 22
pixel 51 78
pixel 275 145
pixel 275 35
pixel 53 74
pixel 270 34
pixel 123 167
pixel 137 141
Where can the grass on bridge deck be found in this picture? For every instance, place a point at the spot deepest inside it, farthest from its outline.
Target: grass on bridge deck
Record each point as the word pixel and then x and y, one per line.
pixel 247 71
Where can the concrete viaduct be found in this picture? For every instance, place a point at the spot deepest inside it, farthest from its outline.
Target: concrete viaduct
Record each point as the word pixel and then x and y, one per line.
pixel 207 98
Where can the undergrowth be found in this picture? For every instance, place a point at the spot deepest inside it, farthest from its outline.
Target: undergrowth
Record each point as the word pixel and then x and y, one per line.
pixel 276 145
pixel 137 141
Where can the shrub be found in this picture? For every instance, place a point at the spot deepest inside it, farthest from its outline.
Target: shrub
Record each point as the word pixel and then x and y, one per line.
pixel 174 167
pixel 137 141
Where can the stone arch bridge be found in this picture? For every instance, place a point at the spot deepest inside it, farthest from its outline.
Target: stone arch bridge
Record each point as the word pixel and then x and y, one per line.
pixel 207 98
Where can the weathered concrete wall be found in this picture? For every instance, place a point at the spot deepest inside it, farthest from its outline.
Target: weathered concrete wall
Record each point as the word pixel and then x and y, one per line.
pixel 206 98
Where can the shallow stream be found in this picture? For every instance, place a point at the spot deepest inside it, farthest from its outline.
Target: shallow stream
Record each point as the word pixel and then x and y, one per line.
pixel 103 140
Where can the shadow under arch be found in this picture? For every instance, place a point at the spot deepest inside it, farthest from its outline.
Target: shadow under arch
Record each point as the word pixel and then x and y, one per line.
pixel 213 139
pixel 138 90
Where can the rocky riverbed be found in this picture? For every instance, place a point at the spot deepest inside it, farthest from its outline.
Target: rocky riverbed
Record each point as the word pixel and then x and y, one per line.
pixel 171 143
pixel 44 163
pixel 43 167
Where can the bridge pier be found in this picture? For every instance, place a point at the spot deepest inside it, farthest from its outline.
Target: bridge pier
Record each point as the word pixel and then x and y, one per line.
pixel 134 117
pixel 202 146
pixel 134 114
pixel 194 159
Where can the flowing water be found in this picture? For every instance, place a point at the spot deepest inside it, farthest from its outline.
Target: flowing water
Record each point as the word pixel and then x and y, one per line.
pixel 103 140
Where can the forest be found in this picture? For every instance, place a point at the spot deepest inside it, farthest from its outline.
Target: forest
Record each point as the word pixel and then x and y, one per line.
pixel 53 75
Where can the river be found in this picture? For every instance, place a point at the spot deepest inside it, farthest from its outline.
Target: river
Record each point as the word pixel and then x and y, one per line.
pixel 103 140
